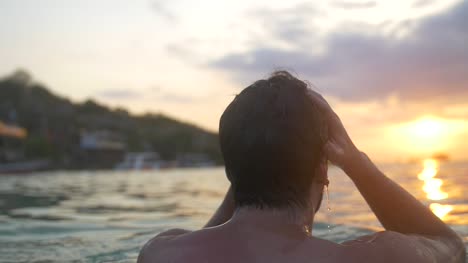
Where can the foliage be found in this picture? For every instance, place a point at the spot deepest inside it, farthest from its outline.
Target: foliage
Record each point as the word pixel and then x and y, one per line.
pixel 55 123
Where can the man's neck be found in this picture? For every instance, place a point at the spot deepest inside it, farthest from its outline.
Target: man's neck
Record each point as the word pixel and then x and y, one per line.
pixel 291 220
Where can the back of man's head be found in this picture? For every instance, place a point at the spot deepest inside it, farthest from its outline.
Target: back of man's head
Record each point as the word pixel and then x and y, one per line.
pixel 271 138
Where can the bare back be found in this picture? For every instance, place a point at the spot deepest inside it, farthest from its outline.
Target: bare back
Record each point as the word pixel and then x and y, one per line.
pixel 229 243
pixel 234 245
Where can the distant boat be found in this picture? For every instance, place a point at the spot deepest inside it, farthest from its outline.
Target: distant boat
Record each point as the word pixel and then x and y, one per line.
pixel 141 161
pixel 441 157
pixel 24 166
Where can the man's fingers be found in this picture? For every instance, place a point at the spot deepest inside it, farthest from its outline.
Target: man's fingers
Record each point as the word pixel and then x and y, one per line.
pixel 336 128
pixel 320 101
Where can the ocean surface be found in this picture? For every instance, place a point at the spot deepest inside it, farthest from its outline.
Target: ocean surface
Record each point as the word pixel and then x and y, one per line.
pixel 106 216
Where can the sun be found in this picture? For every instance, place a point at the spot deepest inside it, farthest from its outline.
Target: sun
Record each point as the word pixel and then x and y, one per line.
pixel 426 135
pixel 427 128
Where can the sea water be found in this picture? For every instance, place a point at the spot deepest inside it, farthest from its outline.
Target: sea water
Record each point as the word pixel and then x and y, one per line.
pixel 107 216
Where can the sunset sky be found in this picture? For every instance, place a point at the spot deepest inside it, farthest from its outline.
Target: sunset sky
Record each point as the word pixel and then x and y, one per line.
pixel 395 71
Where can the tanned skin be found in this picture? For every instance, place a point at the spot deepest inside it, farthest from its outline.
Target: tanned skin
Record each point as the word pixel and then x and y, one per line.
pixel 412 232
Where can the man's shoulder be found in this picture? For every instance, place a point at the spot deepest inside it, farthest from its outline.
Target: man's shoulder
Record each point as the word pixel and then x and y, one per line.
pixel 173 232
pixel 389 246
pixel 162 245
pixel 167 238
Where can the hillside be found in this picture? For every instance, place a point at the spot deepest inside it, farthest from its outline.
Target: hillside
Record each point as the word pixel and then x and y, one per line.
pixel 55 126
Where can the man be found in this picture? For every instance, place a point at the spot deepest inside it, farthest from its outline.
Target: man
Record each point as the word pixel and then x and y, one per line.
pixel 276 138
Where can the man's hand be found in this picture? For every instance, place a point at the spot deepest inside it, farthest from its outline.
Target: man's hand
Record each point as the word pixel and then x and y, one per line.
pixel 397 210
pixel 339 148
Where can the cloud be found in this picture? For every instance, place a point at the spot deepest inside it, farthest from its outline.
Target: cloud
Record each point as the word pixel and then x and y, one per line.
pixel 354 5
pixel 176 98
pixel 158 93
pixel 423 3
pixel 118 94
pixel 291 24
pixel 161 10
pixel 429 63
pixel 153 93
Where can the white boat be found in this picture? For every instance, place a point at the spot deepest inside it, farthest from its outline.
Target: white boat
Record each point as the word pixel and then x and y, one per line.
pixel 140 161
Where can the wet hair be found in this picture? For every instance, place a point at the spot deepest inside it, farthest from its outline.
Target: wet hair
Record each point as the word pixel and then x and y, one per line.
pixel 271 138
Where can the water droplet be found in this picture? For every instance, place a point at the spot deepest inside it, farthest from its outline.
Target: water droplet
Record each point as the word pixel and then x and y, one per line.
pixel 328 208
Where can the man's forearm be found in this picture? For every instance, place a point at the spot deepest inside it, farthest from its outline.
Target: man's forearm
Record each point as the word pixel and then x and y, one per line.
pixel 395 208
pixel 224 212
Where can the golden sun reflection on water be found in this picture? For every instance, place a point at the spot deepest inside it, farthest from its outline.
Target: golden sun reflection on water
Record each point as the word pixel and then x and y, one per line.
pixel 441 211
pixel 432 188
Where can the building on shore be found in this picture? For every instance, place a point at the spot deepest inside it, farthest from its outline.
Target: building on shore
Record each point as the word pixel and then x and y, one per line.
pixel 11 138
pixel 101 149
pixel 12 157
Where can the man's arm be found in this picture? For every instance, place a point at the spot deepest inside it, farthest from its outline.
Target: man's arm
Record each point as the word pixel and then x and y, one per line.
pixel 222 214
pixel 412 229
pixel 395 208
pixel 224 211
